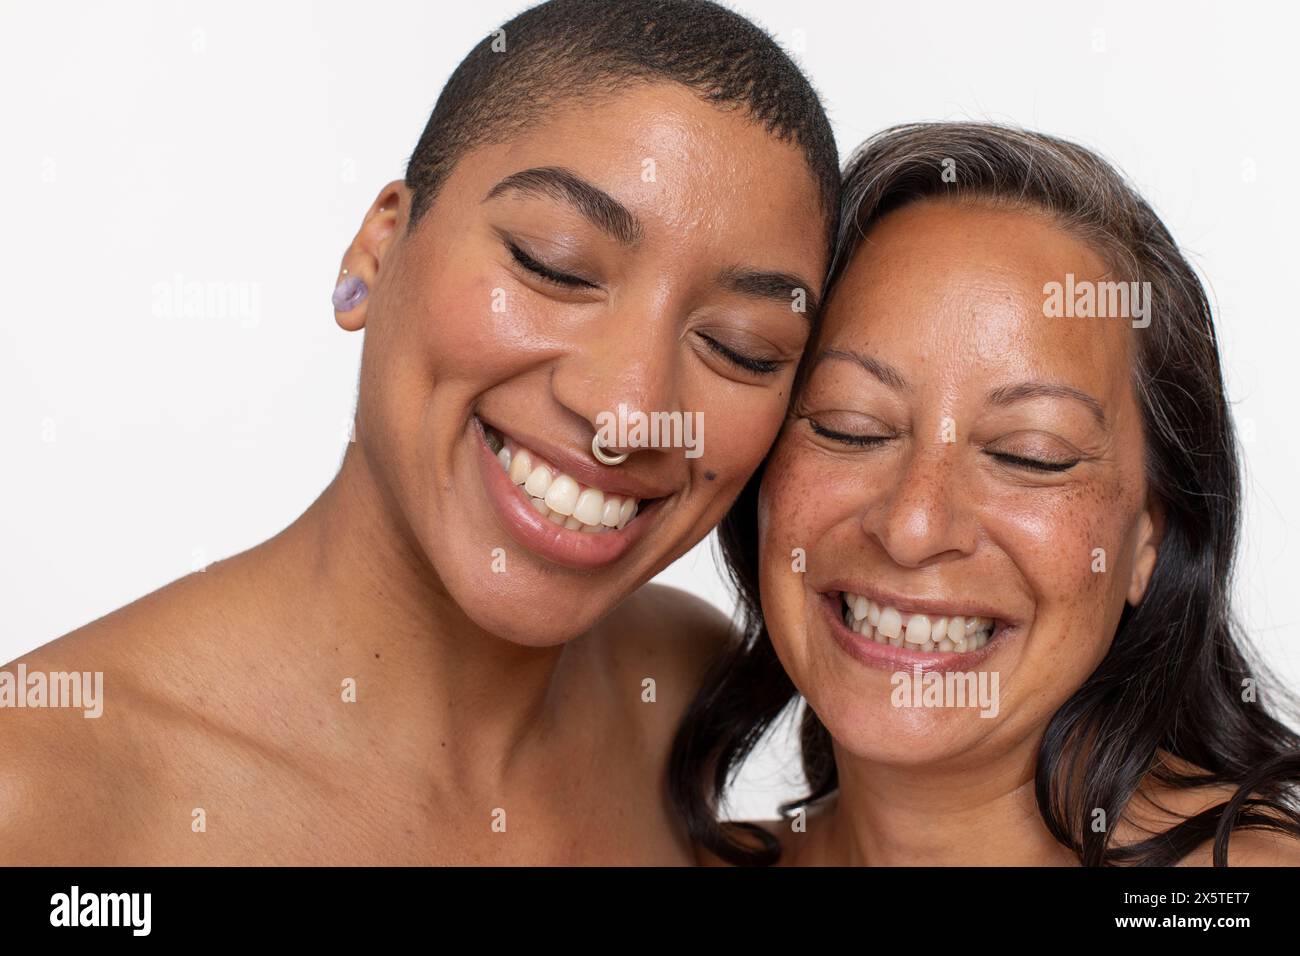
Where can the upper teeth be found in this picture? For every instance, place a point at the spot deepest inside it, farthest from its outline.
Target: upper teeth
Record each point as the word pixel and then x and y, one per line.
pixel 559 497
pixel 888 625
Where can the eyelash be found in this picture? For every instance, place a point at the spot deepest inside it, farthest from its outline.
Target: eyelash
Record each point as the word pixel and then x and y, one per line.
pixel 757 366
pixel 860 441
pixel 1033 464
pixel 543 271
pixel 868 441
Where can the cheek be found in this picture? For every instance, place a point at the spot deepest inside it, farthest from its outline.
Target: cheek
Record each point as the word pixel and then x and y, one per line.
pixel 473 324
pixel 454 311
pixel 786 502
pixel 738 428
pixel 1075 555
pixel 793 516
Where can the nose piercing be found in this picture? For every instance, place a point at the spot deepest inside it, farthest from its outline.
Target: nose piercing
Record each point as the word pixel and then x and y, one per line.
pixel 602 456
pixel 349 293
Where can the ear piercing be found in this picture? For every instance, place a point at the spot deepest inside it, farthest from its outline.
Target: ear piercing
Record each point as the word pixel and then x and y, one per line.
pixel 349 293
pixel 604 457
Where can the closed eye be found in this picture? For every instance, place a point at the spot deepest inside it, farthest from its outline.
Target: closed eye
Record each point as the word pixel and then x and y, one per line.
pixel 543 271
pixel 1033 464
pixel 860 441
pixel 747 362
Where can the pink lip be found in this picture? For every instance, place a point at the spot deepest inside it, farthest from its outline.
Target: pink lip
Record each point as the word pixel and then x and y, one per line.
pixel 886 657
pixel 574 549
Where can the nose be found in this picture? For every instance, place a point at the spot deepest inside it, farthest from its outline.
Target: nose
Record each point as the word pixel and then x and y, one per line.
pixel 923 517
pixel 624 357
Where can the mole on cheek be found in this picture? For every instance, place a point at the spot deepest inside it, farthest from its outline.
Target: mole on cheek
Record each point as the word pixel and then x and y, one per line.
pixel 710 475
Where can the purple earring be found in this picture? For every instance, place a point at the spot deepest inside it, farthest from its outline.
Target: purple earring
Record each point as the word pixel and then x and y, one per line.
pixel 349 293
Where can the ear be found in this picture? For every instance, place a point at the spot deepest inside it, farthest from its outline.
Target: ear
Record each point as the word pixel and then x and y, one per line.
pixel 1151 531
pixel 364 257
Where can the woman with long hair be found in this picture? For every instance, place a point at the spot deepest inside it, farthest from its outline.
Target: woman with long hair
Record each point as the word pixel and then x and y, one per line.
pixel 993 547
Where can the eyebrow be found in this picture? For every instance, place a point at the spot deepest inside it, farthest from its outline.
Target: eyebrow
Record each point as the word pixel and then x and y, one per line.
pixel 599 207
pixel 778 286
pixel 883 371
pixel 1003 396
pixel 1009 394
pixel 613 218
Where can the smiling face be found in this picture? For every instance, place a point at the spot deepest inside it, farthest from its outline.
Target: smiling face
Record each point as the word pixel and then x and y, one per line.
pixel 640 250
pixel 966 478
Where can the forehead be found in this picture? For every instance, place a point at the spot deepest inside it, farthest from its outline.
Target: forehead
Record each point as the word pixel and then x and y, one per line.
pixel 937 280
pixel 683 166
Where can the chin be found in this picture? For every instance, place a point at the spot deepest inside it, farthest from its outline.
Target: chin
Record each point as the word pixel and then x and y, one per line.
pixel 519 605
pixel 865 725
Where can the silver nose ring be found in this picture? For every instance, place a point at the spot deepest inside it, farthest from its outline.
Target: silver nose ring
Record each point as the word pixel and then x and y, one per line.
pixel 602 456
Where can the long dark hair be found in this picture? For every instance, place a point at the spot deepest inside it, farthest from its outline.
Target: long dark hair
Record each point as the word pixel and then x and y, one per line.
pixel 1178 678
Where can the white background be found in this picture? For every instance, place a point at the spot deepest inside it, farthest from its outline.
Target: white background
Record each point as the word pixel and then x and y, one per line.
pixel 238 144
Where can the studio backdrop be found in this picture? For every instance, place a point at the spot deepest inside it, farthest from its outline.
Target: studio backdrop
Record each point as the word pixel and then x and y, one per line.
pixel 178 182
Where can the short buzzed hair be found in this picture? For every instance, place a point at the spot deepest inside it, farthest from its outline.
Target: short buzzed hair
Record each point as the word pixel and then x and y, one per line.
pixel 567 49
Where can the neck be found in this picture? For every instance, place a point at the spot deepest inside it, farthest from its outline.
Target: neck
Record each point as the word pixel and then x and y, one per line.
pixel 371 607
pixel 966 813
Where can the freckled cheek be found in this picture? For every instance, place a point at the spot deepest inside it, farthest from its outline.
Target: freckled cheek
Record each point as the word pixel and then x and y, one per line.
pixel 783 525
pixel 800 501
pixel 1071 557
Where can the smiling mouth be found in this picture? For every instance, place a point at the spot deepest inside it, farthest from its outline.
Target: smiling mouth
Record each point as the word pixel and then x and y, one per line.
pixel 883 624
pixel 558 497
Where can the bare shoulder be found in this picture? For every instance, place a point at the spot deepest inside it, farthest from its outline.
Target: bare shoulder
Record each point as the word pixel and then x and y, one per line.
pixel 89 727
pixel 69 753
pixel 1158 807
pixel 667 619
pixel 1251 848
pixel 655 648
